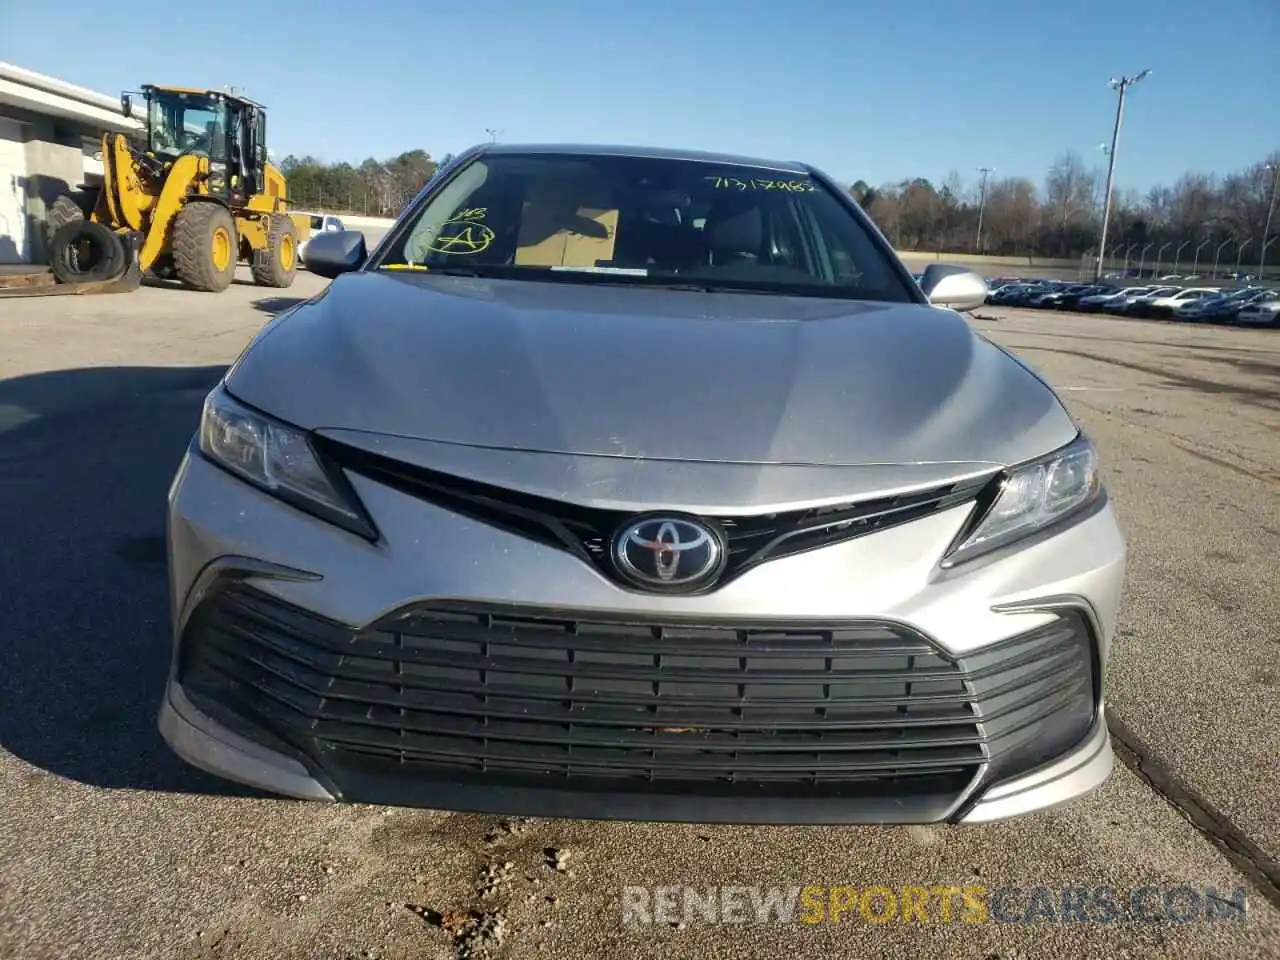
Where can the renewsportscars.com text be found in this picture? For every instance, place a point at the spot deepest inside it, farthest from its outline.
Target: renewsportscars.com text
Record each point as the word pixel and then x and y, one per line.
pixel 815 904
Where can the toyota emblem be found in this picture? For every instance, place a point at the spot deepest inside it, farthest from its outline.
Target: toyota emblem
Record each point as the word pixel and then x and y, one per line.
pixel 673 554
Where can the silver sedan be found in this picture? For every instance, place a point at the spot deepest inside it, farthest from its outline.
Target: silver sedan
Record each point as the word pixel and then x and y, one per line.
pixel 641 484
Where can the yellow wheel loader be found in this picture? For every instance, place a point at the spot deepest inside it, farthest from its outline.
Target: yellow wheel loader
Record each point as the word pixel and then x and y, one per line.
pixel 189 202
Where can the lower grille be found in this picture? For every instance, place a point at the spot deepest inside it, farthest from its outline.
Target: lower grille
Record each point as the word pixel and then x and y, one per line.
pixel 523 697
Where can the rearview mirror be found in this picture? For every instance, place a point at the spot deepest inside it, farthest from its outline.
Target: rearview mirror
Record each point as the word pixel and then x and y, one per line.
pixel 335 252
pixel 126 104
pixel 955 288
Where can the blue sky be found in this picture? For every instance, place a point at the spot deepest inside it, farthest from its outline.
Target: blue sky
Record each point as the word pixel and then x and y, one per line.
pixel 874 91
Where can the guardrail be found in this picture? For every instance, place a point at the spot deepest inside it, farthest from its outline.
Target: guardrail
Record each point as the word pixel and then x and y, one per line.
pixel 991 261
pixel 358 222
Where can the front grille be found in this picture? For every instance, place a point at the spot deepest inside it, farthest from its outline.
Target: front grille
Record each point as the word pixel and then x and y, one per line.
pixel 514 696
pixel 587 532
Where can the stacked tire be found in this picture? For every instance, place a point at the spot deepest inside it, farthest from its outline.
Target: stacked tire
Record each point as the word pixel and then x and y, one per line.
pixel 82 251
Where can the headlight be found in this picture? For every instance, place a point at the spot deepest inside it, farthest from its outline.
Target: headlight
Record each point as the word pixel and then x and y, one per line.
pixel 279 459
pixel 1030 498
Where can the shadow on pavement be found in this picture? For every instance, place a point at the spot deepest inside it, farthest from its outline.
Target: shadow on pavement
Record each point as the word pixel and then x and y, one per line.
pixel 274 305
pixel 86 459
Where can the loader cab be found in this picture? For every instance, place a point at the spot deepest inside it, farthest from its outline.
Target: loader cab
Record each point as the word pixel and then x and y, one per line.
pixel 229 130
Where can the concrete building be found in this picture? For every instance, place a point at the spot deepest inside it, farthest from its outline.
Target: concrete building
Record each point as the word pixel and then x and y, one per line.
pixel 50 143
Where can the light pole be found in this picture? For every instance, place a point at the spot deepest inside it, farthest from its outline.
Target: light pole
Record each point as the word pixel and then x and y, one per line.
pixel 1121 86
pixel 1143 261
pixel 982 202
pixel 1217 256
pixel 1160 253
pixel 1195 264
pixel 1177 254
pixel 1240 248
pixel 1271 209
pixel 1127 250
pixel 493 134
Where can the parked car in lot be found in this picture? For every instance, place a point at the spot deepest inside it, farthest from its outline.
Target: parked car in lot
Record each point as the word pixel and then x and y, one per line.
pixel 1057 297
pixel 1070 298
pixel 1263 311
pixel 1015 294
pixel 1102 301
pixel 996 283
pixel 641 485
pixel 1221 309
pixel 1194 308
pixel 1165 306
pixel 1031 296
pixel 1137 306
pixel 1006 293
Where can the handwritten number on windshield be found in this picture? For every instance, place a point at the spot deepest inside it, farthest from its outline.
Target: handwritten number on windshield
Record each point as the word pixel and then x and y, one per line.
pixel 786 186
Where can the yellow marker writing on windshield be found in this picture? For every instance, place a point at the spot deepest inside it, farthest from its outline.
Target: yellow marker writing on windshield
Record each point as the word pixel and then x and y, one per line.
pixel 462 237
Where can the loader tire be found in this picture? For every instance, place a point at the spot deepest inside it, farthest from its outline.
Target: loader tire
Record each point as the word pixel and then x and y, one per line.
pixel 86 252
pixel 58 214
pixel 205 247
pixel 281 262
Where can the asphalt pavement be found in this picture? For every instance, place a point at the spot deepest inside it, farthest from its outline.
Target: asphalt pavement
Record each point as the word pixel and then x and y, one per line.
pixel 112 847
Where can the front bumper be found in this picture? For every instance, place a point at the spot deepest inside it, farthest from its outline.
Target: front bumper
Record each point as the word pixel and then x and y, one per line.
pixel 849 684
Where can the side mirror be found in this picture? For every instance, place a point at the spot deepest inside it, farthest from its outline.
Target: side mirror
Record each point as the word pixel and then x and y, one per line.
pixel 126 104
pixel 333 253
pixel 953 287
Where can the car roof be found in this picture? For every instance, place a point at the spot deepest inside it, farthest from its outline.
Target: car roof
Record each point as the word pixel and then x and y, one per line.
pixel 655 153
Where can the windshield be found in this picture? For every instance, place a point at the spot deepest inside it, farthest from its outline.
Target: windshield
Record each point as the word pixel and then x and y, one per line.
pixel 649 221
pixel 186 123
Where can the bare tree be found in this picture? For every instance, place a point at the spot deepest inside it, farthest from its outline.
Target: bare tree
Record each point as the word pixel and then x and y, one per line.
pixel 1193 205
pixel 1069 190
pixel 1012 218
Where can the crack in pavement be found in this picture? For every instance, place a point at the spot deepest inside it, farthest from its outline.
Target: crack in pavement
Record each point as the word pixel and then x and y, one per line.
pixel 1258 867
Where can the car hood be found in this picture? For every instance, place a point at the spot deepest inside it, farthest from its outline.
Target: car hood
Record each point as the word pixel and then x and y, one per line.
pixel 646 373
